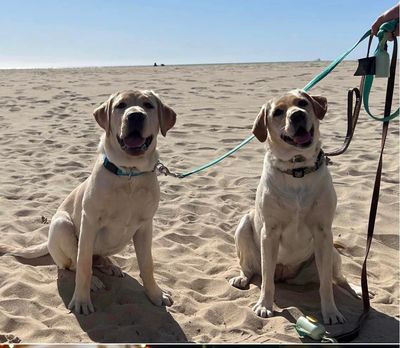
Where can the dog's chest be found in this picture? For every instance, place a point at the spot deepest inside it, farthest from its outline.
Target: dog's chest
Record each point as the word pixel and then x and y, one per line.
pixel 295 201
pixel 288 210
pixel 295 244
pixel 130 204
pixel 128 209
pixel 296 209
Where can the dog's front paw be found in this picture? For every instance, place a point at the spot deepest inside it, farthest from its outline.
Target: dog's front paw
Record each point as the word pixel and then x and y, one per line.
pixel 332 316
pixel 81 305
pixel 159 297
pixel 239 282
pixel 262 310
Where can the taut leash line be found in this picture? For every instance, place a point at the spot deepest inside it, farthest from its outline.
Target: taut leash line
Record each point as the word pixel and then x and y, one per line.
pixel 164 170
pixel 219 159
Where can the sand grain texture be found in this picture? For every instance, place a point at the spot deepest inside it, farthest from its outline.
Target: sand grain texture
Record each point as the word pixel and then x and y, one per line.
pixel 48 143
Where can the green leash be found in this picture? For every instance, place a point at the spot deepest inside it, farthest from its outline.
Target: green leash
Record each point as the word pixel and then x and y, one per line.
pixel 385 28
pixel 164 170
pixel 219 159
pixel 334 64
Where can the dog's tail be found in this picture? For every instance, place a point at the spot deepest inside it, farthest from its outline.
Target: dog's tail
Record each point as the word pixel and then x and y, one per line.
pixel 27 253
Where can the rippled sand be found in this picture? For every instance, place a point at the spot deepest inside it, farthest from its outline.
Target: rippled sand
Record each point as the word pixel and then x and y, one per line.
pixel 48 143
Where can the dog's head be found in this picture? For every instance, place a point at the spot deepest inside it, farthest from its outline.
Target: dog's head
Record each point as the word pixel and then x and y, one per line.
pixel 291 121
pixel 132 120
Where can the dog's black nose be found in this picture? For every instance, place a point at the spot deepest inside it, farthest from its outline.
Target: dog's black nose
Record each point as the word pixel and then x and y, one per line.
pixel 298 118
pixel 136 120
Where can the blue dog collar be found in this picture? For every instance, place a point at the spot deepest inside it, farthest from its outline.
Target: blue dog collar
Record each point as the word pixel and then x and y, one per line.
pixel 111 167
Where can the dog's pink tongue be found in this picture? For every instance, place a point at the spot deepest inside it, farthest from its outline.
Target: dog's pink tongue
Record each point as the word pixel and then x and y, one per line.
pixel 302 137
pixel 134 141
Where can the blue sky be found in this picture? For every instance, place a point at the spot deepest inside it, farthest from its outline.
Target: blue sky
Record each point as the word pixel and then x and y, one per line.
pixel 55 33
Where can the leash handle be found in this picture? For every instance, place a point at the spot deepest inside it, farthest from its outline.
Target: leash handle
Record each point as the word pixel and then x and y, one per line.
pixel 367 90
pixel 385 28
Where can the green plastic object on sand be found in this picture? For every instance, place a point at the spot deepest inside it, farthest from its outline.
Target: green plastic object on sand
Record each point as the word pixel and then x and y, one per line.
pixel 310 327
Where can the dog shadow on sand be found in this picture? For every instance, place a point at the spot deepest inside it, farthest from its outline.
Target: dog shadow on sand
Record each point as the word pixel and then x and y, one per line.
pixel 123 312
pixel 292 301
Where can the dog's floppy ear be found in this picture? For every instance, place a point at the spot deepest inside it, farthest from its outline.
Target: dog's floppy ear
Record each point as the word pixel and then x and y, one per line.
pixel 102 114
pixel 166 116
pixel 260 124
pixel 320 105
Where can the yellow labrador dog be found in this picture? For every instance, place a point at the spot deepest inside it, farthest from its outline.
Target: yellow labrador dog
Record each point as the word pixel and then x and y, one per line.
pixel 116 203
pixel 294 208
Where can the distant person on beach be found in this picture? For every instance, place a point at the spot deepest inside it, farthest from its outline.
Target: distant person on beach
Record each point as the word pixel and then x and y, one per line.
pixel 392 13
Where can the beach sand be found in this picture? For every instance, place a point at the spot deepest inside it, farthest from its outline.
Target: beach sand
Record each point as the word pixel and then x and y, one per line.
pixel 48 144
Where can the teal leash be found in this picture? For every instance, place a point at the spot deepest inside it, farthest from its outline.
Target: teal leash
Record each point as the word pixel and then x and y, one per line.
pixel 382 34
pixel 162 169
pixel 219 159
pixel 334 64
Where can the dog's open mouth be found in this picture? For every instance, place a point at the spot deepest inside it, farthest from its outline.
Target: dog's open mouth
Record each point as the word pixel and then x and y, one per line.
pixel 134 144
pixel 302 138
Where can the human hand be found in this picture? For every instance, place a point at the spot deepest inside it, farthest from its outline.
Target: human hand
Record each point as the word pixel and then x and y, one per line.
pixel 392 13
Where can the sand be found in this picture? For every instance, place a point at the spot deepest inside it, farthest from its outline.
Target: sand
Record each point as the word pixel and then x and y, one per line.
pixel 48 143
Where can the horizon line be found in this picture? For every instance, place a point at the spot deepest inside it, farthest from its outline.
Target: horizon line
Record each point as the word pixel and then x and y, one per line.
pixel 159 65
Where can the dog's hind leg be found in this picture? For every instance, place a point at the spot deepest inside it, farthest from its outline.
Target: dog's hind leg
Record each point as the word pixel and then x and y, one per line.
pixel 63 243
pixel 248 253
pixel 105 265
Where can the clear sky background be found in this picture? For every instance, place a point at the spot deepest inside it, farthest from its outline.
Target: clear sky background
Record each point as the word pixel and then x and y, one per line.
pixel 56 33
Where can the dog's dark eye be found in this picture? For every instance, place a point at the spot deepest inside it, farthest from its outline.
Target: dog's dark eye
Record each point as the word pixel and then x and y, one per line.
pixel 121 105
pixel 148 105
pixel 302 103
pixel 277 112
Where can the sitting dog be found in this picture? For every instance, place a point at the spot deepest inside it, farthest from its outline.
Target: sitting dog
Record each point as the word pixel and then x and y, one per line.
pixel 291 225
pixel 116 203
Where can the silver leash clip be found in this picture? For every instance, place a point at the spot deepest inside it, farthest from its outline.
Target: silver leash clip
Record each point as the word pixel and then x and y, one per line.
pixel 162 169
